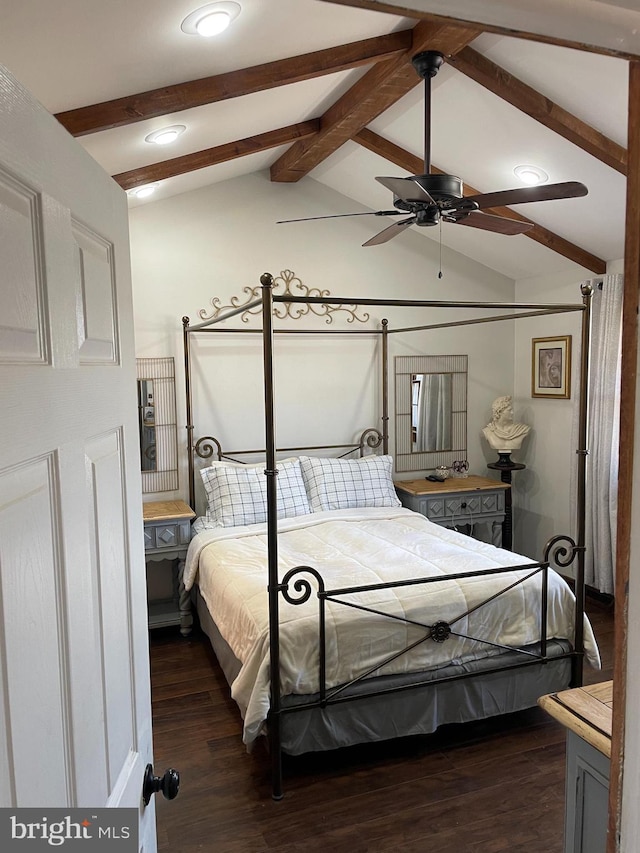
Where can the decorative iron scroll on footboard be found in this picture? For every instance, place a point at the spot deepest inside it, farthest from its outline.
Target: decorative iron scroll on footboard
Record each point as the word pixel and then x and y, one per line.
pixel 301 582
pixel 563 556
pixel 439 632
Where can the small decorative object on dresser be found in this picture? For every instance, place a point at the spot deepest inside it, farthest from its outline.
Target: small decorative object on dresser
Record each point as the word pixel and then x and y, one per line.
pixel 473 500
pixel 167 533
pixel 460 468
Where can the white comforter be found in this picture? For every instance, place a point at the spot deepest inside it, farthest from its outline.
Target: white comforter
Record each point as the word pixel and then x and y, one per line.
pixel 353 548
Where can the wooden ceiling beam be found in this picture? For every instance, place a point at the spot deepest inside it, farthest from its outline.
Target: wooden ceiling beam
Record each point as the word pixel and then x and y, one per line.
pixel 208 90
pixel 374 93
pixel 410 11
pixel 503 84
pixel 414 165
pixel 219 154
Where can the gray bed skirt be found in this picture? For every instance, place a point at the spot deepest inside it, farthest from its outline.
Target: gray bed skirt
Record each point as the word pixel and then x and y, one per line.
pixel 418 710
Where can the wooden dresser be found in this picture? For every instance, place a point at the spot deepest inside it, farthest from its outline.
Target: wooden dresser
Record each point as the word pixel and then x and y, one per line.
pixel 586 712
pixel 167 533
pixel 457 501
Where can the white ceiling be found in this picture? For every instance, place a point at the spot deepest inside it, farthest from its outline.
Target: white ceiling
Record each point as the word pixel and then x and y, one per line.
pixel 79 52
pixel 612 24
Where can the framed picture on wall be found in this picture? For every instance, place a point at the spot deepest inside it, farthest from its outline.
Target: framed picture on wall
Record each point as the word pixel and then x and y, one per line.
pixel 551 367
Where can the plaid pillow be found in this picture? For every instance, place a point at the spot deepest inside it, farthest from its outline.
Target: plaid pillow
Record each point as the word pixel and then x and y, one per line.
pixel 237 495
pixel 349 483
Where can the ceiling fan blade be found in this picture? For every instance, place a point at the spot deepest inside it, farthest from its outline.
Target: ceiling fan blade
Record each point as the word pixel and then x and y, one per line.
pixel 521 195
pixel 339 215
pixel 498 224
pixel 390 232
pixel 406 189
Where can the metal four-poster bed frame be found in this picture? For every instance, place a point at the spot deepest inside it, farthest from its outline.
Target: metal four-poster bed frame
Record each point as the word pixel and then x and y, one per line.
pixel 294 586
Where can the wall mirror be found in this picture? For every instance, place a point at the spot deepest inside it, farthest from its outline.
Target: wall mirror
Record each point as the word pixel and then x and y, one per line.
pixel 157 424
pixel 431 411
pixel 147 424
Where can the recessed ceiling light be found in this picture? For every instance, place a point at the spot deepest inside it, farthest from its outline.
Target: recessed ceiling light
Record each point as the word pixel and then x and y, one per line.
pixel 166 135
pixel 212 19
pixel 144 191
pixel 531 175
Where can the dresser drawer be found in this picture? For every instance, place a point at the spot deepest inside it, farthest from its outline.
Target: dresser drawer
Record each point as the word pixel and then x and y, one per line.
pixel 166 534
pixel 452 508
pixel 465 505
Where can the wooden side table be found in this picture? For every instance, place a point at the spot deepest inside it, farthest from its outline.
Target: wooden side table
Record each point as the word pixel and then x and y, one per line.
pixel 457 500
pixel 586 712
pixel 167 533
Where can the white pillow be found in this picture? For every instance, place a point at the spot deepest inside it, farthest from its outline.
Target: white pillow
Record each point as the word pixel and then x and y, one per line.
pixel 237 494
pixel 349 483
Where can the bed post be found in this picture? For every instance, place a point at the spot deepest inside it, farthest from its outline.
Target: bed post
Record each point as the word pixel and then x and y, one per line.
pixel 187 391
pixel 385 386
pixel 271 472
pixel 583 452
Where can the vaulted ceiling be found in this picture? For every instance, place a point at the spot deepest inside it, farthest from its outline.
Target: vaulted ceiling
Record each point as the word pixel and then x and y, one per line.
pixel 308 89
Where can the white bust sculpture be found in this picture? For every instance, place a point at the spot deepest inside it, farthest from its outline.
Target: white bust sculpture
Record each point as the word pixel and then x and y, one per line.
pixel 502 433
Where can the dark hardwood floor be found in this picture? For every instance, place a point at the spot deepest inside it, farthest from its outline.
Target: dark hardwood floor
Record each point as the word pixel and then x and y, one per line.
pixel 485 787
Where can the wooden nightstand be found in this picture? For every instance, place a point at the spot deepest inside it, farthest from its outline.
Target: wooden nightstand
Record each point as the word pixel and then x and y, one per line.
pixel 457 501
pixel 586 712
pixel 167 533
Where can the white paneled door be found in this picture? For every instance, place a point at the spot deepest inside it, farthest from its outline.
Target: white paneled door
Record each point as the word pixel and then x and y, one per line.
pixel 75 726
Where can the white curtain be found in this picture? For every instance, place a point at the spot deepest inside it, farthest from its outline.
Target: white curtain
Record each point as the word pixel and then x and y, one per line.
pixel 603 422
pixel 434 412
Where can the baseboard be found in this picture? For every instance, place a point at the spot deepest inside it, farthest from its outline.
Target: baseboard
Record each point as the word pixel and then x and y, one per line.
pixel 593 593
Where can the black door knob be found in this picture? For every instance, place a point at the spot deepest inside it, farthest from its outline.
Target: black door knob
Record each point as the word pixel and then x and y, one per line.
pixel 169 784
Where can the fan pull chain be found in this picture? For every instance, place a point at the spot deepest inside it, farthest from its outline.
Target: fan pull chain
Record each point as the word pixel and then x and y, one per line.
pixel 440 226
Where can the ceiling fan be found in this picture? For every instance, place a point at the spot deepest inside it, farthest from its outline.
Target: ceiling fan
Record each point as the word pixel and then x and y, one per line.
pixel 433 198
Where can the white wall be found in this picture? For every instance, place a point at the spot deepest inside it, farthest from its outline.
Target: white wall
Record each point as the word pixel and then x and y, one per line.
pixel 216 241
pixel 544 492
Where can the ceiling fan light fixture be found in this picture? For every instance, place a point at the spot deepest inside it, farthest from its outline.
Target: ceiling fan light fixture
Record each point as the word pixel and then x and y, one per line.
pixel 144 191
pixel 213 24
pixel 531 175
pixel 166 135
pixel 211 20
pixel 431 198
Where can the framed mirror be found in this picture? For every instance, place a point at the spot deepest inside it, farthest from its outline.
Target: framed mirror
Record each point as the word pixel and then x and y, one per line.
pixel 431 411
pixel 157 424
